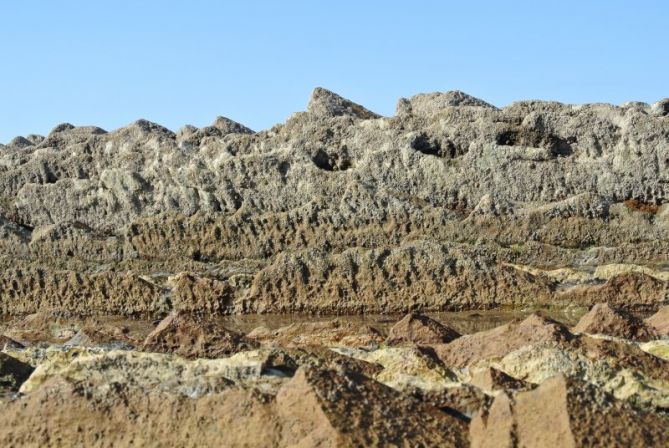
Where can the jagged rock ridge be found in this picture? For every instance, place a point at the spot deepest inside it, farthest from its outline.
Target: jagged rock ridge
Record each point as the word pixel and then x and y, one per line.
pixel 450 204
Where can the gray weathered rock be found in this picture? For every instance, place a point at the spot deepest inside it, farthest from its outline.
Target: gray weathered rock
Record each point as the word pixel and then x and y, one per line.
pixel 451 204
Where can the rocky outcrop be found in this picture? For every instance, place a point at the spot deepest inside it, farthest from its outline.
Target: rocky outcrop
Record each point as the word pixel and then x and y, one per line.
pixel 420 330
pixel 660 321
pixel 525 383
pixel 565 412
pixel 451 204
pixel 491 379
pixel 194 337
pixel 331 408
pixel 603 319
pixel 502 340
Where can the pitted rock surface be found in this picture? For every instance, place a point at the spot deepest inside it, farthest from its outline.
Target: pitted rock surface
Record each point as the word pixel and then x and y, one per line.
pixel 452 204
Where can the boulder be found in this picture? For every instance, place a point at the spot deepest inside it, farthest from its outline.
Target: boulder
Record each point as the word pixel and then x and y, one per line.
pixel 603 319
pixel 324 103
pixel 331 408
pixel 189 336
pixel 565 412
pixel 502 340
pixel 421 330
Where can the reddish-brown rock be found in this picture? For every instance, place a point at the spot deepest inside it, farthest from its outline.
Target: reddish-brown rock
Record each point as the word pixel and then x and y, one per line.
pixel 565 412
pixel 187 335
pixel 328 408
pixel 660 321
pixel 504 339
pixel 630 290
pixel 603 319
pixel 491 379
pixel 422 330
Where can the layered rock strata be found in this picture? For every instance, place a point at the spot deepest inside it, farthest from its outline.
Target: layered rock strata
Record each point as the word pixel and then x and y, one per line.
pixel 450 204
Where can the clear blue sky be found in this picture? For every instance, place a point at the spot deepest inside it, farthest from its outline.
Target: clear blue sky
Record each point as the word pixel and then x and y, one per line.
pixel 175 62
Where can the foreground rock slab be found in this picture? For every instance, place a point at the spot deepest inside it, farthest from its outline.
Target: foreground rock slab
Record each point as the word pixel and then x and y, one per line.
pixel 328 408
pixel 565 412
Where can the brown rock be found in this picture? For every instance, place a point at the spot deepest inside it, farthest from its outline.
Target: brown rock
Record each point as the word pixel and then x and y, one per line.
pixel 502 340
pixel 624 356
pixel 184 334
pixel 494 427
pixel 660 321
pixel 422 330
pixel 491 379
pixel 630 290
pixel 102 335
pixel 603 319
pixel 334 333
pixel 327 408
pixel 565 412
pixel 43 326
pixel 463 401
pixel 63 414
pixel 322 357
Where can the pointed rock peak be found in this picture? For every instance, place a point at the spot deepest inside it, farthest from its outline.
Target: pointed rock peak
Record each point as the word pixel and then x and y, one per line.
pixel 35 139
pixel 422 330
pixel 573 408
pixel 189 336
pixel 61 128
pixel 228 126
pixel 498 342
pixel 149 127
pixel 491 379
pixel 542 325
pixel 93 130
pixel 603 319
pixel 20 142
pixel 660 321
pixel 186 131
pixel 661 107
pixel 324 103
pixel 320 407
pixel 429 103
